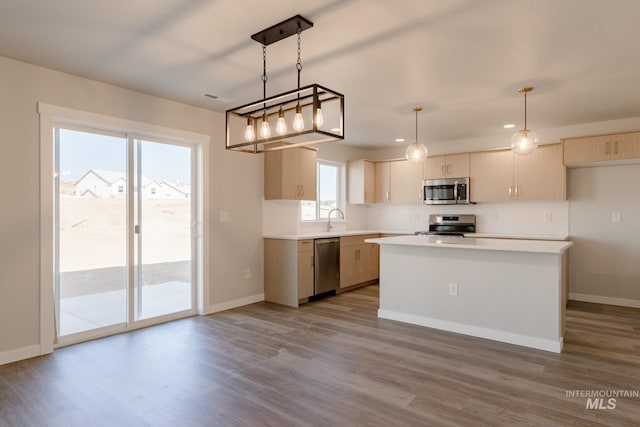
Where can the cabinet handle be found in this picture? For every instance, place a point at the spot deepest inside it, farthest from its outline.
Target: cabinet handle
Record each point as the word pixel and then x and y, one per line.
pixel 517 190
pixel 448 169
pixel 615 147
pixel 606 150
pixel 301 191
pixel 443 170
pixel 311 258
pixel 510 191
pixel 387 196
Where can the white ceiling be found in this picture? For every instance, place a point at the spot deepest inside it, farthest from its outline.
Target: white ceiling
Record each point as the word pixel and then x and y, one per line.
pixel 461 60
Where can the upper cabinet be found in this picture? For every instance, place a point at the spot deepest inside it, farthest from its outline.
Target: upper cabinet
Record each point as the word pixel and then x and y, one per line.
pixel 449 166
pixel 602 148
pixel 501 175
pixel 290 174
pixel 361 181
pixel 398 182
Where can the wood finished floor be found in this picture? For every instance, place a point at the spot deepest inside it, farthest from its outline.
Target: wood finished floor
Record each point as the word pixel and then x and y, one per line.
pixel 329 363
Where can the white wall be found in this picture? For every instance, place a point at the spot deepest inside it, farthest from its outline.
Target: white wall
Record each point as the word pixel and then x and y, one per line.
pixel 235 185
pixel 604 264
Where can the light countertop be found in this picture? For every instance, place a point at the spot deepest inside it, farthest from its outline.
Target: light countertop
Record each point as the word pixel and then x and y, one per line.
pixel 324 234
pixel 492 244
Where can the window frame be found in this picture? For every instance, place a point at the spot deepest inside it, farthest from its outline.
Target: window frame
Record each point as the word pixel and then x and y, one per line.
pixel 341 201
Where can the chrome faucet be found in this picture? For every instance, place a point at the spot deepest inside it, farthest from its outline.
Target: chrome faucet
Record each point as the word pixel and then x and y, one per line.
pixel 329 226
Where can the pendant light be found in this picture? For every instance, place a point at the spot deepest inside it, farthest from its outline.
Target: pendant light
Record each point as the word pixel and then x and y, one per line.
pixel 524 141
pixel 303 116
pixel 416 152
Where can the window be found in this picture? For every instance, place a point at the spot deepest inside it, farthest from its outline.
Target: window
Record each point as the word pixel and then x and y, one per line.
pixel 120 188
pixel 329 192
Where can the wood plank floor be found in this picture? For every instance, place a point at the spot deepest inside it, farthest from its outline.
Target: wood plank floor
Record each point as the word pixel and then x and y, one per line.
pixel 329 363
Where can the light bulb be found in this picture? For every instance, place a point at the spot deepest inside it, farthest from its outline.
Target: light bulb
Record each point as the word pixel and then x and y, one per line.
pixel 416 152
pixel 281 125
pixel 524 142
pixel 249 133
pixel 319 118
pixel 265 131
pixel 298 121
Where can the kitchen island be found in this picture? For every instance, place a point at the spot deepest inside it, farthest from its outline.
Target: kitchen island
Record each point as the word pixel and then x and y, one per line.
pixel 507 290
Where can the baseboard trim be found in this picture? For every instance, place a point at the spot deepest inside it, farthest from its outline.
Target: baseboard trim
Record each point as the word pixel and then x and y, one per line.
pixel 475 331
pixel 598 299
pixel 19 354
pixel 215 308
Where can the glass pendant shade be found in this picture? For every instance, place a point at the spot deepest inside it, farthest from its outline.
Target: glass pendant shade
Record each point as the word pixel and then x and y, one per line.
pixel 524 141
pixel 249 132
pixel 416 152
pixel 281 124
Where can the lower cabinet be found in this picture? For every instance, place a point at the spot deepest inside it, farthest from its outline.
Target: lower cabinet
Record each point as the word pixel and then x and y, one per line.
pixel 359 261
pixel 289 267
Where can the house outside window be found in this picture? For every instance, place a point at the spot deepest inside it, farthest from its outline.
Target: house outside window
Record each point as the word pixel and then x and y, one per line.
pixel 120 188
pixel 329 192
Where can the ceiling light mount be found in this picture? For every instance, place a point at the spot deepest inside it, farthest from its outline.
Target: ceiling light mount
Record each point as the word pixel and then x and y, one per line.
pixel 524 141
pixel 416 152
pixel 321 108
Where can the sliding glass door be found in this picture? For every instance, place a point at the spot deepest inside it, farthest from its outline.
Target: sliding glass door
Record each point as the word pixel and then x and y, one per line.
pixel 125 231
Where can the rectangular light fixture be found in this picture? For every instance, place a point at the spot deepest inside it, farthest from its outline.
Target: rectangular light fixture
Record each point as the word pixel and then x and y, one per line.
pixel 304 116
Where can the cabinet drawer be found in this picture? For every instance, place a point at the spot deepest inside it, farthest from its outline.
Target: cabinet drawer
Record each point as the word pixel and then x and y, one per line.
pixel 346 241
pixel 305 245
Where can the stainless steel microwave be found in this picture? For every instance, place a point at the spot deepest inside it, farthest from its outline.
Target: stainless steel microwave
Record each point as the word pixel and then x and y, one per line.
pixel 446 191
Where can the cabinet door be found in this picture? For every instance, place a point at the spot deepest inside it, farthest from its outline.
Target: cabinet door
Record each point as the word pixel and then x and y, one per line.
pixel 457 165
pixel 406 182
pixel 370 260
pixel 540 175
pixel 369 182
pixel 435 167
pixel 587 149
pixel 306 174
pixel 631 146
pixel 348 265
pixel 382 181
pixel 305 273
pixel 491 175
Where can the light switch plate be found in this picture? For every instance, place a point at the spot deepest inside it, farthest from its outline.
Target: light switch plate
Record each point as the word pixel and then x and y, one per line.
pixel 224 216
pixel 615 217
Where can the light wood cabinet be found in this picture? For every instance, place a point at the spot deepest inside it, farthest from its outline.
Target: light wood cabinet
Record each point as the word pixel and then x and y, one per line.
pixel 305 269
pixel 398 182
pixel 600 148
pixel 359 261
pixel 288 271
pixel 361 182
pixel 382 182
pixel 290 174
pixel 449 166
pixel 501 175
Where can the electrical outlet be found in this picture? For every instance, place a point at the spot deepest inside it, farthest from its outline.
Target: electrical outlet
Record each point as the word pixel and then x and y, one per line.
pixel 247 274
pixel 453 289
pixel 548 217
pixel 615 216
pixel 494 216
pixel 224 216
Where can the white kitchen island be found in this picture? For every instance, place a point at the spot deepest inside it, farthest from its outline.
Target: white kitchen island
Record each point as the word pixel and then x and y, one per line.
pixel 506 290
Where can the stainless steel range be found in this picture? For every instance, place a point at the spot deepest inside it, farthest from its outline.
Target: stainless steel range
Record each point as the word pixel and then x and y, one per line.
pixel 450 225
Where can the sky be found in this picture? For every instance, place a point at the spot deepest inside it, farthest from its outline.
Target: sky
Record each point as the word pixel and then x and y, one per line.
pixel 81 151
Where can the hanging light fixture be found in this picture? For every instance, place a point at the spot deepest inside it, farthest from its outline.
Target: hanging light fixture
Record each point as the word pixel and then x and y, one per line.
pixel 416 152
pixel 524 141
pixel 302 116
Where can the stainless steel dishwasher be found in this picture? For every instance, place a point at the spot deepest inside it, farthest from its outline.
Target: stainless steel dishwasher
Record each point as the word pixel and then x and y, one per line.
pixel 327 265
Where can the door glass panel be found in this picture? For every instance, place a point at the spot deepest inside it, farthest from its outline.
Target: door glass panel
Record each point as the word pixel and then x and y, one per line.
pixel 91 261
pixel 164 215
